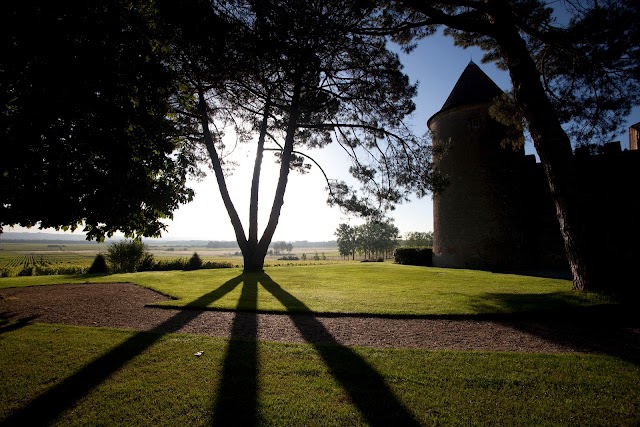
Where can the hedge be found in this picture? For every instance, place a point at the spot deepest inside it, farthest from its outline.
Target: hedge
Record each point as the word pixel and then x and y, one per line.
pixel 419 255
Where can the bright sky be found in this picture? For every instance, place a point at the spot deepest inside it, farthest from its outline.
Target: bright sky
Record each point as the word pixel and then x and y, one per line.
pixel 435 64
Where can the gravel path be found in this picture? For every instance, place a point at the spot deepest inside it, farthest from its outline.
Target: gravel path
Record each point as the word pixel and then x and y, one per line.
pixel 122 305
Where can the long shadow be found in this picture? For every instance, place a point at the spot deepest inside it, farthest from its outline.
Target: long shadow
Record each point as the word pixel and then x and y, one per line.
pixel 365 386
pixel 609 328
pixel 237 400
pixel 44 409
pixel 6 326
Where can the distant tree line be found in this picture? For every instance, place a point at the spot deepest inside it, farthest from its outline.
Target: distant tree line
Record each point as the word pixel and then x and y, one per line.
pixel 374 239
pixel 418 238
pixel 223 244
pixel 280 247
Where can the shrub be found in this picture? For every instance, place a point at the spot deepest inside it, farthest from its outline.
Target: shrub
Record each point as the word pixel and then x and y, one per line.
pixel 289 258
pixel 126 256
pixel 184 264
pixel 173 264
pixel 26 271
pixel 148 263
pixel 99 265
pixel 195 262
pixel 55 270
pixel 413 256
pixel 213 264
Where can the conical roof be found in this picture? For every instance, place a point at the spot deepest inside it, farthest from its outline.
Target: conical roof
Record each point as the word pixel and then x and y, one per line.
pixel 473 87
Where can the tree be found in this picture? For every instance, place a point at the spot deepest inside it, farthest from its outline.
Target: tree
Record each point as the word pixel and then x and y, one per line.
pixel 419 238
pixel 347 240
pixel 305 80
pixel 560 76
pixel 279 247
pixel 89 133
pixel 376 238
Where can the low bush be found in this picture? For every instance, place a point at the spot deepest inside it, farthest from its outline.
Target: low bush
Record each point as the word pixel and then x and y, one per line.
pixel 147 263
pixel 171 264
pixel 289 258
pixel 26 271
pixel 99 265
pixel 418 255
pixel 215 264
pixel 55 270
pixel 187 264
pixel 126 256
pixel 195 262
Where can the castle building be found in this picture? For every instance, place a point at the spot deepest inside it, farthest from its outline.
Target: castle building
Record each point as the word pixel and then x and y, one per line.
pixel 496 212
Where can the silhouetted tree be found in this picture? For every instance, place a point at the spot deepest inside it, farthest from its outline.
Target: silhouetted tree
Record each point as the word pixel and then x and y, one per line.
pixel 90 137
pixel 306 80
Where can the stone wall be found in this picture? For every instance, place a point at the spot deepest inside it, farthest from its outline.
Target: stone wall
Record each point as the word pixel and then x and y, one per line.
pixel 477 216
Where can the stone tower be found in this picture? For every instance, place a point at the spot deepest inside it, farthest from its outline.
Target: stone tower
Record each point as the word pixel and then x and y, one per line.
pixel 476 216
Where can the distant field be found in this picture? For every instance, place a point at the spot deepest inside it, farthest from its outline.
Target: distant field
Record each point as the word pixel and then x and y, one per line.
pixel 70 257
pixel 46 259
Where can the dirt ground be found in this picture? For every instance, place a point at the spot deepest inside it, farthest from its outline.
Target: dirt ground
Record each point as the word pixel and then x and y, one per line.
pixel 123 305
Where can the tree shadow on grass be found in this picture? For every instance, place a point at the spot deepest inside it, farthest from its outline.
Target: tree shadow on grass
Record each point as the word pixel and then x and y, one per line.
pixel 7 326
pixel 237 394
pixel 612 329
pixel 364 385
pixel 237 397
pixel 44 409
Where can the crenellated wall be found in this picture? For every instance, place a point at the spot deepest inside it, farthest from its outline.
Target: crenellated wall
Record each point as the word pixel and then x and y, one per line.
pixel 496 213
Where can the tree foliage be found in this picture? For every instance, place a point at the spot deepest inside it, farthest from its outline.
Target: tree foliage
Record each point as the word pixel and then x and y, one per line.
pixel 346 237
pixel 90 137
pixel 586 52
pixel 418 238
pixel 279 247
pixel 372 239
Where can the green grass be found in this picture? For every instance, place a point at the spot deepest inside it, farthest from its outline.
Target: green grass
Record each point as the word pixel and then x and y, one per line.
pixel 100 376
pixel 65 375
pixel 365 288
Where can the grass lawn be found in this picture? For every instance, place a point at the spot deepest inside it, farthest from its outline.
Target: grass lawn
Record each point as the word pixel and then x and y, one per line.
pixel 68 375
pixel 365 288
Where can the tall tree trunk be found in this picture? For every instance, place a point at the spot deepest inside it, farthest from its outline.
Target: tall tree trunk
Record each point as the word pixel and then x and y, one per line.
pixel 256 261
pixel 551 142
pixel 217 168
pixel 253 258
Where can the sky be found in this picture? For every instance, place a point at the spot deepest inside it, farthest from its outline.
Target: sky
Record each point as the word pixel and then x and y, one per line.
pixel 435 65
